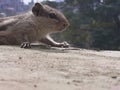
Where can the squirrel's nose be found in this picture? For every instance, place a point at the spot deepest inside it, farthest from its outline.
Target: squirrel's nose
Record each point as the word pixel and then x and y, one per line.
pixel 66 24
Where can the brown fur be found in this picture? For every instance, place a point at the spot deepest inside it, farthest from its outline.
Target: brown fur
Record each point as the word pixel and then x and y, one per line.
pixel 32 26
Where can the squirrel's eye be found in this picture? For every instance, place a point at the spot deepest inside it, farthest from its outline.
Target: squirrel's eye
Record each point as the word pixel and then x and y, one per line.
pixel 52 15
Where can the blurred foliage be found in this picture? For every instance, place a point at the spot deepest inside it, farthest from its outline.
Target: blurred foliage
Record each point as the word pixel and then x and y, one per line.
pixel 95 24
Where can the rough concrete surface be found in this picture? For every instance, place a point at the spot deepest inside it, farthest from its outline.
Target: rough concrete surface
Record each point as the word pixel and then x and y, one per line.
pixel 58 69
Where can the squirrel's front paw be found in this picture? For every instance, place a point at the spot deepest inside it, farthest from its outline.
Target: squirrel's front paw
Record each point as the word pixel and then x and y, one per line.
pixel 64 44
pixel 25 45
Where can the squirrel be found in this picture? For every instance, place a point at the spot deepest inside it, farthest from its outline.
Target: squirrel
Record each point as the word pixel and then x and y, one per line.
pixel 35 25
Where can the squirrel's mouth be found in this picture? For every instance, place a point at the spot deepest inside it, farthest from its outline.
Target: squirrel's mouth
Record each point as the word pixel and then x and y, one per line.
pixel 62 29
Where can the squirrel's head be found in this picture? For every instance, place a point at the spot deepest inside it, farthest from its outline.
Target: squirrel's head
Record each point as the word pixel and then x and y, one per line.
pixel 50 18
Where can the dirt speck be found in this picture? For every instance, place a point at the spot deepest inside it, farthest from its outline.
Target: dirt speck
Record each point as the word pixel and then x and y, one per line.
pixel 114 77
pixel 20 57
pixel 35 86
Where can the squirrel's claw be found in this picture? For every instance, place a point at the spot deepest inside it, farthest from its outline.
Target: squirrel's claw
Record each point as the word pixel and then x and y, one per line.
pixel 25 45
pixel 64 44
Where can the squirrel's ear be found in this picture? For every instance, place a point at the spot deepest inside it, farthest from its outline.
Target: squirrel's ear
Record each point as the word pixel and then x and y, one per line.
pixel 37 8
pixel 38 5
